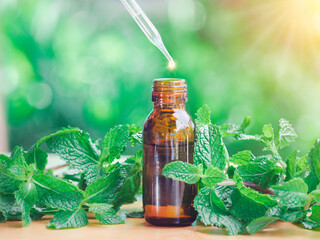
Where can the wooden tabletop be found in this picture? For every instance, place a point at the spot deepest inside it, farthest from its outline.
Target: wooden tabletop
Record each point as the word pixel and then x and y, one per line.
pixel 138 229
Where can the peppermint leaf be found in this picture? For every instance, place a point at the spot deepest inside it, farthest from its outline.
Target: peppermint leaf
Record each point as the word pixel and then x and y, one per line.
pixel 26 197
pixel 37 156
pixel 57 193
pixel 69 219
pixel 286 134
pixel 105 190
pixel 18 168
pixel 259 173
pixel 242 157
pixel 203 116
pixel 210 149
pixel 211 213
pixel 268 131
pixel 105 213
pixel 260 223
pixel 263 199
pixel 313 179
pixel 213 176
pixel 8 184
pixel 292 194
pixel 75 147
pixel 182 171
pixel 114 143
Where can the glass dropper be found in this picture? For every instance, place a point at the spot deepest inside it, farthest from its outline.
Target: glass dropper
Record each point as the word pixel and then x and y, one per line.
pixel 148 28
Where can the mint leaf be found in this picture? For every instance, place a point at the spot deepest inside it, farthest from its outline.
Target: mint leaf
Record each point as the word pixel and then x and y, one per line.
pixel 291 215
pixel 131 170
pixel 316 195
pixel 26 197
pixel 234 129
pixel 210 149
pixel 9 206
pixel 211 214
pixel 93 173
pixel 242 157
pixel 313 179
pixel 69 219
pixel 105 190
pixel 212 176
pixel 18 168
pixel 291 166
pixel 135 134
pixel 260 173
pixel 105 213
pixel 286 134
pixel 37 156
pixel 8 184
pixel 75 147
pixel 268 131
pixel 114 143
pixel 314 220
pixel 260 223
pixel 292 194
pixel 203 116
pixel 246 208
pixel 57 193
pixel 263 199
pixel 182 171
pixel 4 160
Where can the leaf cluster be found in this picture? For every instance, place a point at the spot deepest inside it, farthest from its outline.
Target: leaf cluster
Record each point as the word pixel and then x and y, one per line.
pixel 244 192
pixel 100 185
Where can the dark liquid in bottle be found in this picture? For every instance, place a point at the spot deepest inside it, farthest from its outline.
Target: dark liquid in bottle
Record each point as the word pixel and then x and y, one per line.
pixel 167 202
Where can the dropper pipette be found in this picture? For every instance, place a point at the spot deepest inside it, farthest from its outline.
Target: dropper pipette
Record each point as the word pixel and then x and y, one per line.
pixel 147 27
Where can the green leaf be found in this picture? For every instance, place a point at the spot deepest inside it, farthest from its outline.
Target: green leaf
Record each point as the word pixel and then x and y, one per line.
pixel 8 184
pixel 114 143
pixel 224 193
pixel 213 176
pixel 291 166
pixel 286 134
pixel 316 195
pixel 57 193
pixel 203 116
pixel 135 134
pixel 210 149
pixel 105 190
pixel 263 199
pixel 69 219
pixel 292 194
pixel 246 208
pixel 313 179
pixel 314 220
pixel 211 213
pixel 37 156
pixel 18 168
pixel 259 223
pixel 131 170
pixel 8 206
pixel 268 131
pixel 4 160
pixel 26 197
pixel 182 171
pixel 94 172
pixel 105 213
pixel 234 129
pixel 242 157
pixel 292 215
pixel 75 147
pixel 260 173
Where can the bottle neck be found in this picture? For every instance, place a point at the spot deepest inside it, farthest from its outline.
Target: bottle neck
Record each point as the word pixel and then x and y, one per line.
pixel 158 105
pixel 169 93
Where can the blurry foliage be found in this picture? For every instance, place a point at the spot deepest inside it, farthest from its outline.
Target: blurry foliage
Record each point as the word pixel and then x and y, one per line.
pixel 86 63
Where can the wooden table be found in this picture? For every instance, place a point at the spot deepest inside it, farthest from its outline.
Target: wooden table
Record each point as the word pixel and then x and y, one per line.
pixel 138 229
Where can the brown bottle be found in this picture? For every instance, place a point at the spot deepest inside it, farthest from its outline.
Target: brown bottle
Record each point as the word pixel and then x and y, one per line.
pixel 168 135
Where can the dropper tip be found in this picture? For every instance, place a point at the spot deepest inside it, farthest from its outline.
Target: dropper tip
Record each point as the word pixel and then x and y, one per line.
pixel 172 65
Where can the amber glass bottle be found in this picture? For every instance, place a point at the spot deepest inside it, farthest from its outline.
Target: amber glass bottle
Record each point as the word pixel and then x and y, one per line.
pixel 168 135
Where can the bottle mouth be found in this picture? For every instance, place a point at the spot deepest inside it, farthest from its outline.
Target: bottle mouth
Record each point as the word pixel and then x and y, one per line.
pixel 169 89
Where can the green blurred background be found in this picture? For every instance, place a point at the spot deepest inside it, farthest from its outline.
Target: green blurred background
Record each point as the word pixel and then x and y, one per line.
pixel 87 64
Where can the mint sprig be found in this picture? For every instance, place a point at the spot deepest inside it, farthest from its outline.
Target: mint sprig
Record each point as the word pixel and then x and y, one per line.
pixel 250 192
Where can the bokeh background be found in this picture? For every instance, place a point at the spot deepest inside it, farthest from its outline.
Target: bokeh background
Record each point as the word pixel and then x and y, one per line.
pixel 87 64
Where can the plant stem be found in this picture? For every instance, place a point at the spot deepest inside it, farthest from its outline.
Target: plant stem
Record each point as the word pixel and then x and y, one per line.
pixel 258 188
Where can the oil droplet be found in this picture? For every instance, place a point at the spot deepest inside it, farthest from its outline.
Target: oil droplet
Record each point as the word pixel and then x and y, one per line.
pixel 172 65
